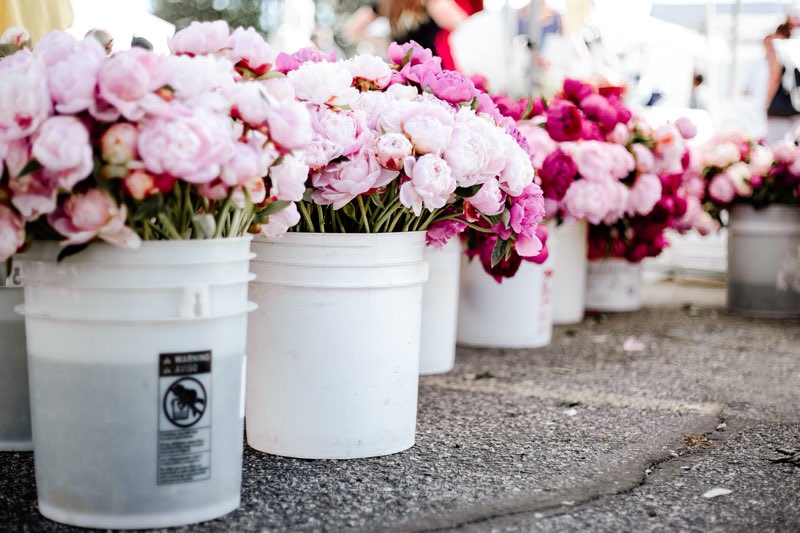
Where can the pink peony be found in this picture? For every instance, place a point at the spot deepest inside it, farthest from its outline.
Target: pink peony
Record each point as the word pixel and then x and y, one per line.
pixel 247 163
pixel 721 189
pixel 128 80
pixel 670 148
pixel 118 143
pixel 12 233
pixel 323 84
pixel 576 90
pixel 429 132
pixel 761 160
pixel 586 200
pixel 370 69
pixel 722 154
pixel 564 122
pixel 740 174
pixel 620 134
pixel 72 80
pixel 645 162
pixel 527 211
pixel 557 174
pixel 248 48
pixel 63 148
pixel 644 194
pixel 784 151
pixel 280 222
pixel 415 53
pixel 191 148
pixel 24 98
pixel 490 199
pixel 598 109
pixel 201 38
pixel 439 233
pixel 288 179
pixel 431 183
pixel 90 215
pixel 289 62
pixel 450 86
pixel 392 150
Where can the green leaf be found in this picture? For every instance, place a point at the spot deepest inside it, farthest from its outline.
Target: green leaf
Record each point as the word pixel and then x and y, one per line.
pixel 307 195
pixel 474 104
pixel 376 199
pixel 274 207
pixel 528 108
pixel 499 252
pixel 505 217
pixel 72 250
pixel 148 208
pixel 30 167
pixel 466 192
pixel 350 210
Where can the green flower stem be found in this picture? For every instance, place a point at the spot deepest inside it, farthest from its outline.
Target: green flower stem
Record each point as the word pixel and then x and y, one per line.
pixel 306 216
pixel 321 216
pixel 423 225
pixel 397 218
pixel 468 224
pixel 386 215
pixel 168 227
pixel 222 217
pixel 363 213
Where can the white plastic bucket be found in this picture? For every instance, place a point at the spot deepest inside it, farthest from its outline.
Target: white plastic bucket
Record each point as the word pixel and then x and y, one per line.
pixel 516 313
pixel 440 309
pixel 569 272
pixel 137 422
pixel 614 285
pixel 764 261
pixel 15 417
pixel 334 347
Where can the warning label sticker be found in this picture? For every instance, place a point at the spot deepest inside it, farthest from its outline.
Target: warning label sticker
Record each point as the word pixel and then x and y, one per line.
pixel 184 421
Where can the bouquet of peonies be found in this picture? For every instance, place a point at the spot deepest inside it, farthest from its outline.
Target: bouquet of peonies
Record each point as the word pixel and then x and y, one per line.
pixel 135 145
pixel 734 169
pixel 598 162
pixel 407 146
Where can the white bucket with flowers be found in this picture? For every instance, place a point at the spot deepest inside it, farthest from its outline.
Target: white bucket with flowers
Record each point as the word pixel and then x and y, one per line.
pixel 15 417
pixel 398 150
pixel 149 170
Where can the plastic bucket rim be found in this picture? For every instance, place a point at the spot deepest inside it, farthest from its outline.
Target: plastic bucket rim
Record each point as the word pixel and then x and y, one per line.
pixel 20 309
pixel 35 283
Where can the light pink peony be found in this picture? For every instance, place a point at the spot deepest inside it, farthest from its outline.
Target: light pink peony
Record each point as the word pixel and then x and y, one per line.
pixel 616 196
pixel 93 215
pixel 392 149
pixel 540 145
pixel 761 160
pixel 645 162
pixel 72 80
pixel 592 158
pixel 288 179
pixel 249 47
pixel 192 148
pixel 12 232
pixel 722 154
pixel 323 84
pixel 118 143
pixel 345 129
pixel 527 211
pixel 740 174
pixel 721 189
pixel 670 148
pixel 200 38
pixel 686 128
pixel 289 125
pixel 128 80
pixel 490 199
pixel 587 200
pixel 33 194
pixel 620 134
pixel 63 148
pixel 518 173
pixel 247 163
pixel 280 222
pixel 339 183
pixel 24 98
pixel 644 194
pixel 431 180
pixel 467 156
pixel 371 69
pixel 784 151
pixel 429 131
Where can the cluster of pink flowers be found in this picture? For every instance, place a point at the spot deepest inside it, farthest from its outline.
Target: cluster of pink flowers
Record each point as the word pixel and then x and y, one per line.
pixel 99 145
pixel 408 146
pixel 731 168
pixel 597 161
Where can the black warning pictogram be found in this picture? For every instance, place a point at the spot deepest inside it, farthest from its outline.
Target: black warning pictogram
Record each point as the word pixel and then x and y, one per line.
pixel 185 402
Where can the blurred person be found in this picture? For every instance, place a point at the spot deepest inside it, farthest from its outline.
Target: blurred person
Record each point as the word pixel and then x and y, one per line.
pixel 783 88
pixel 697 100
pixel 428 22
